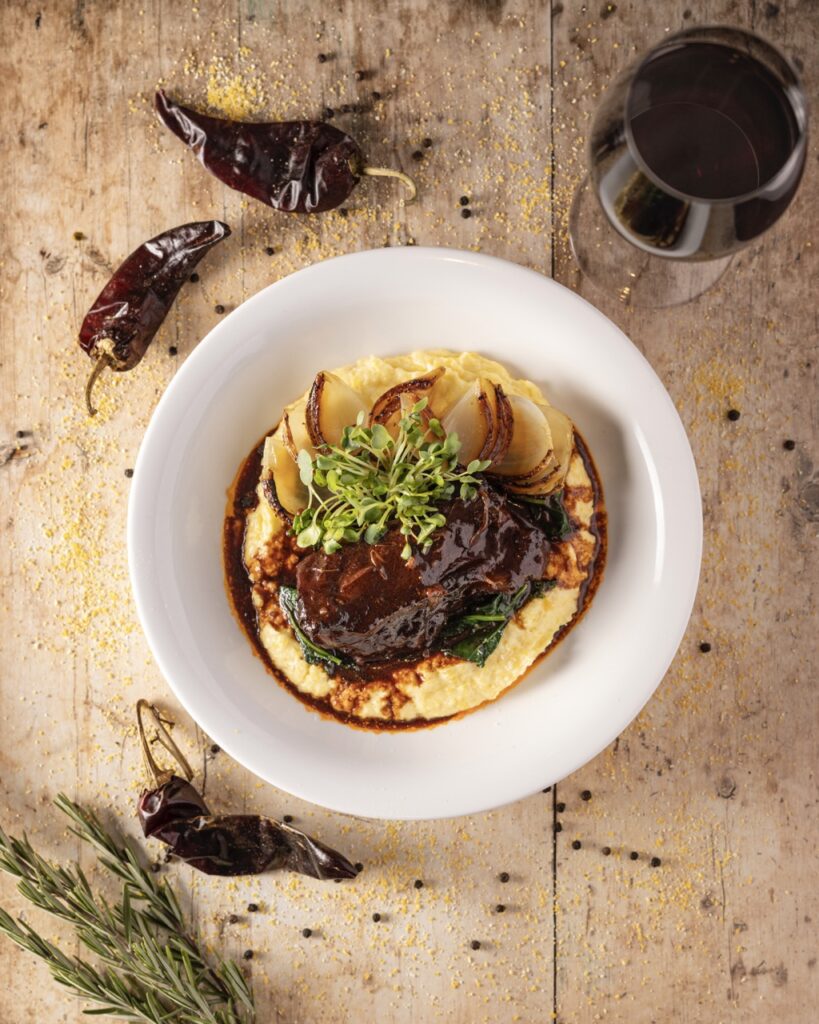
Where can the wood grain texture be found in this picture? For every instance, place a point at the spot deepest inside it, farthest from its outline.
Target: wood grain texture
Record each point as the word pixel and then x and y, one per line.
pixel 717 775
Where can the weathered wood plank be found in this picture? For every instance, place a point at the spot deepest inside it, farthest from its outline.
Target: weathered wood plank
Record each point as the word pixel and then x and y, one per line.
pixel 466 79
pixel 732 804
pixel 714 778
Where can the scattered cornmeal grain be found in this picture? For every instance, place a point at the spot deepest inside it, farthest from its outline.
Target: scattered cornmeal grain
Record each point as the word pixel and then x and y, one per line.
pixel 487 115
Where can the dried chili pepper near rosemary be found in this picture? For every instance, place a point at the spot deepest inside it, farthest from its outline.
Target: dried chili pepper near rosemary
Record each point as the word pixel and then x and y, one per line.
pixel 173 811
pixel 128 312
pixel 293 166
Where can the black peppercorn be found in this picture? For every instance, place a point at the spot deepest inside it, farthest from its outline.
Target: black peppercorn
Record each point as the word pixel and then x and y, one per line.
pixel 270 250
pixel 733 415
pixel 156 867
pixel 194 278
pixel 417 155
pixel 328 113
pixel 252 908
pixel 504 876
pixel 560 807
pixel 558 827
pixel 789 445
pixel 129 473
pixel 233 919
pixel 322 58
pixel 606 851
pixel 219 308
pixel 375 95
pixel 705 647
pixel 576 844
pixel 215 748
pixel 466 213
pixel 343 211
pixel 307 932
pixel 548 789
pixel 464 200
pixel 376 917
pixel 499 909
pixel 475 944
pixel 23 433
pixel 418 883
pixel 426 143
pixel 358 866
pixel 586 794
pixel 634 855
pixel 172 350
pixel 248 954
pixel 655 862
pixel 287 818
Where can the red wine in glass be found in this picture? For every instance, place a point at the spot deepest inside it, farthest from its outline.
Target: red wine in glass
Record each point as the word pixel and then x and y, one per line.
pixel 695 151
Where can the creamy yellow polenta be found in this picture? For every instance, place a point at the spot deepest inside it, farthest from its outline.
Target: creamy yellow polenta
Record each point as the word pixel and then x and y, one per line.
pixel 438 688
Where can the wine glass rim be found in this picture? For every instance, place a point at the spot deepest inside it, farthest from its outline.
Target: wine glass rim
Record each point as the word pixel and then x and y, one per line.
pixel 793 90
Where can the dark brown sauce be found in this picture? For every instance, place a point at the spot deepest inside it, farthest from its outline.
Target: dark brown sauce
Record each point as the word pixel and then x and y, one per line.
pixel 242 499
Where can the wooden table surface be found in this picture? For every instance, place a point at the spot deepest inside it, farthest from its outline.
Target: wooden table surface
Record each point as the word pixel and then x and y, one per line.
pixel 715 777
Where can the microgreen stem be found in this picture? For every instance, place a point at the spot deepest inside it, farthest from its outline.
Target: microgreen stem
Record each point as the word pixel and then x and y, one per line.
pixel 369 481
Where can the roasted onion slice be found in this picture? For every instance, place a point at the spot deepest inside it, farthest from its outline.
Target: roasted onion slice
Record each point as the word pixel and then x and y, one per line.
pixel 295 436
pixel 527 456
pixel 474 419
pixel 403 407
pixel 562 440
pixel 504 423
pixel 281 482
pixel 557 466
pixel 537 489
pixel 332 405
pixel 389 404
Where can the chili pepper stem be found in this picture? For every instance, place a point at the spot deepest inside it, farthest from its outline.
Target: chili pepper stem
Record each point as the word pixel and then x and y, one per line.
pixel 389 172
pixel 104 361
pixel 159 775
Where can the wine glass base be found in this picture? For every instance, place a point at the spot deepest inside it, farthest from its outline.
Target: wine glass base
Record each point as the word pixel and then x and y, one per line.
pixel 619 268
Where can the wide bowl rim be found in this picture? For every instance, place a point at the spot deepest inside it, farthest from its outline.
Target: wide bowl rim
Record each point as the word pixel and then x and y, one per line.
pixel 139 503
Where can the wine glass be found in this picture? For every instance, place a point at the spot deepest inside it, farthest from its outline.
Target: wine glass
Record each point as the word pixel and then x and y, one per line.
pixel 695 151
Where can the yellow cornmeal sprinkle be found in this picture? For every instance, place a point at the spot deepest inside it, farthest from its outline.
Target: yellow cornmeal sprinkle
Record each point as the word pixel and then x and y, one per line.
pixel 69 500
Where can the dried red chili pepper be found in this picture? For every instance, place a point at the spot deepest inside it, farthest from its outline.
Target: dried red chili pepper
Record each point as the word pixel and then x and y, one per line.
pixel 293 166
pixel 129 310
pixel 174 812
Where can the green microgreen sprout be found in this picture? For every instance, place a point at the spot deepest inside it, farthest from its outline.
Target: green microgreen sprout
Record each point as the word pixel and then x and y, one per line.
pixel 370 482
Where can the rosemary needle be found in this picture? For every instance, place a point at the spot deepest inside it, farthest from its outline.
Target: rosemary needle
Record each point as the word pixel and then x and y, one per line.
pixel 151 969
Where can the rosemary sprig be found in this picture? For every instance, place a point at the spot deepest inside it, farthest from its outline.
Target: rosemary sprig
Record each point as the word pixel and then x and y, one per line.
pixel 151 969
pixel 370 481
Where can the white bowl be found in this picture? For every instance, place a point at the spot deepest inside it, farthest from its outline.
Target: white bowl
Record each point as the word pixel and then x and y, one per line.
pixel 386 302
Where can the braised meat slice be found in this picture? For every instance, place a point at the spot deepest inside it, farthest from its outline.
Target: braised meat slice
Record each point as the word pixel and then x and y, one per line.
pixel 368 603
